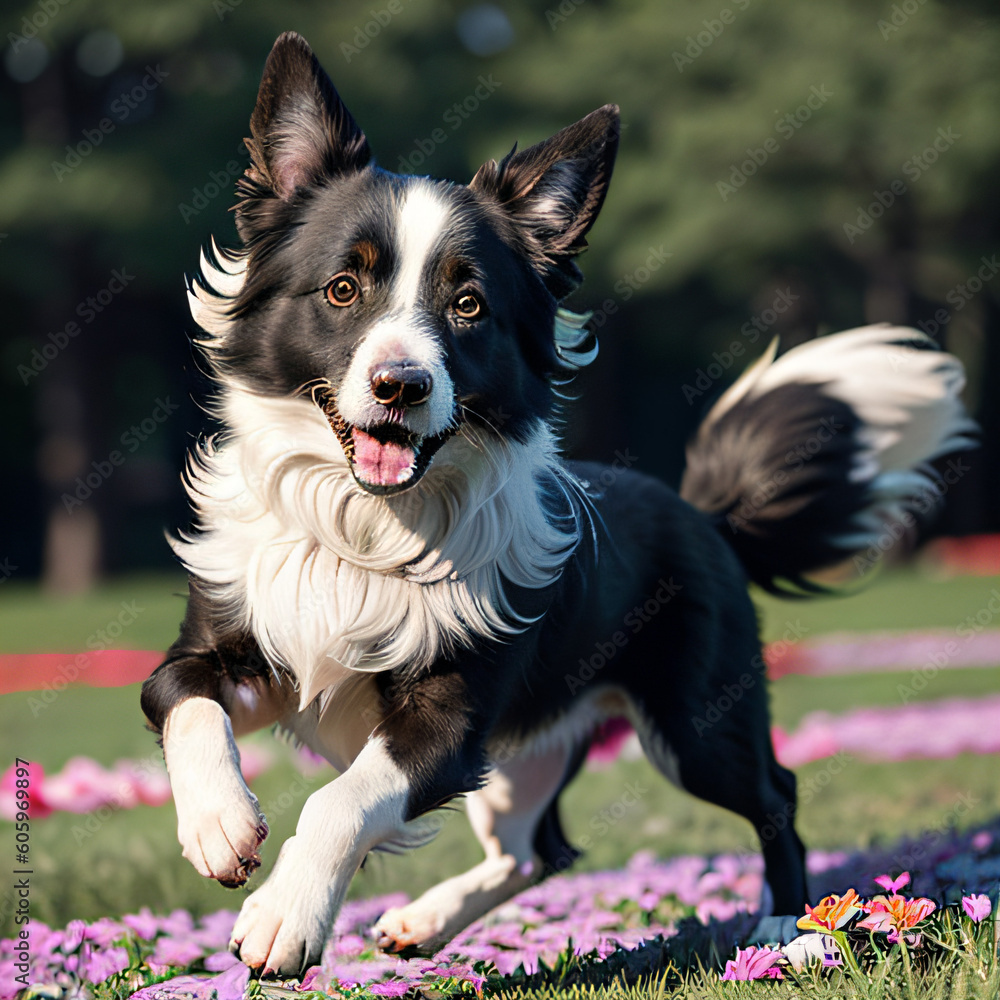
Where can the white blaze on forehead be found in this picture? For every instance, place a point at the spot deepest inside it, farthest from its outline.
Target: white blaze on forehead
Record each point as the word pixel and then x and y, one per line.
pixel 423 217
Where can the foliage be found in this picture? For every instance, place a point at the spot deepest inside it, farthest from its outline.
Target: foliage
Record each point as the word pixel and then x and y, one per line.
pixel 750 141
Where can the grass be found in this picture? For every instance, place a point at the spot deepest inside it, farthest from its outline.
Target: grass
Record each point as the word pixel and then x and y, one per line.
pixel 117 862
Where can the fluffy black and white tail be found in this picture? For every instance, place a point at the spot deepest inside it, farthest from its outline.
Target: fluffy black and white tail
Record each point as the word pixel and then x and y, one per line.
pixel 822 454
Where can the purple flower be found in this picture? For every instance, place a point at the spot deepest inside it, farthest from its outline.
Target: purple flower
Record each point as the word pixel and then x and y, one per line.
pixel 754 963
pixel 73 938
pixel 179 922
pixel 104 932
pixel 221 961
pixel 189 987
pixel 893 885
pixel 214 930
pixel 232 983
pixel 350 945
pixel 465 972
pixel 314 979
pixel 143 923
pixel 103 964
pixel 392 988
pixel 175 952
pixel 977 907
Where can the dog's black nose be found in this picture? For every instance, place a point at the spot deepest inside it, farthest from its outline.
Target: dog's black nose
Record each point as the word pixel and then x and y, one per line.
pixel 401 384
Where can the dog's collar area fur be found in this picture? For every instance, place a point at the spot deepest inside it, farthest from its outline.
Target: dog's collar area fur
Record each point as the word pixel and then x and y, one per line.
pixel 330 578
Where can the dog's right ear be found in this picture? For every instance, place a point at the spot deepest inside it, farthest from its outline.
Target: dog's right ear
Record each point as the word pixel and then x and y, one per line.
pixel 553 191
pixel 300 133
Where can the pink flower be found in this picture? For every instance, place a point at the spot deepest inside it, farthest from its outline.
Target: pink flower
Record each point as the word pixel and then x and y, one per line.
pixel 893 885
pixel 314 979
pixel 349 945
pixel 464 972
pixel 220 961
pixel 143 923
pixel 392 988
pixel 100 965
pixel 754 963
pixel 232 984
pixel 174 952
pixel 38 806
pixel 896 915
pixel 978 907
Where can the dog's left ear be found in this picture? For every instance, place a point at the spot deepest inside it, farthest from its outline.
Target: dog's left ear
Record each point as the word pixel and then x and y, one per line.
pixel 553 191
pixel 301 133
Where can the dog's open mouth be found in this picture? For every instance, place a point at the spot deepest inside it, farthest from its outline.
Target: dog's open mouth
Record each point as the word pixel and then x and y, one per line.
pixel 385 457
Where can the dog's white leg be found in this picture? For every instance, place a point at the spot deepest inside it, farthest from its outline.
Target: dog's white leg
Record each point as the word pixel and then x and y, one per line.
pixel 504 815
pixel 219 822
pixel 283 926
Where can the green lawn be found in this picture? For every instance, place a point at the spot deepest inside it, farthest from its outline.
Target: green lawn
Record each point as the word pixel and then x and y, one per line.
pixel 116 863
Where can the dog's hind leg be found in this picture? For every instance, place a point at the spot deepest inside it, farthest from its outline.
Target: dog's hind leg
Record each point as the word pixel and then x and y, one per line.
pixel 732 765
pixel 513 811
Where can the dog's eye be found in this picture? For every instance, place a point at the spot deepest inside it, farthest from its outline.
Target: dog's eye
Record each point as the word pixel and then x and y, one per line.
pixel 466 306
pixel 343 289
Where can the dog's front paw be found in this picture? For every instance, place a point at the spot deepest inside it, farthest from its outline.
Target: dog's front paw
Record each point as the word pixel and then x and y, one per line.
pixel 411 926
pixel 284 925
pixel 219 822
pixel 222 840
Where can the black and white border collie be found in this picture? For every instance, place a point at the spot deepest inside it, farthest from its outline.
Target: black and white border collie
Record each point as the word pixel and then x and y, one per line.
pixel 393 563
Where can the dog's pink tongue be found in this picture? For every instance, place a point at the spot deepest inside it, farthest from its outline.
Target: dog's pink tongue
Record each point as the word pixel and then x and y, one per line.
pixel 381 464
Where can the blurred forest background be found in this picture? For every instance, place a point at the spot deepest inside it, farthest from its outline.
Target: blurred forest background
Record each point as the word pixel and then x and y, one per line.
pixel 785 168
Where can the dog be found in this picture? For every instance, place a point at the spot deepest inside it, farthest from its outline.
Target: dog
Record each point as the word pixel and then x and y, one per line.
pixel 392 562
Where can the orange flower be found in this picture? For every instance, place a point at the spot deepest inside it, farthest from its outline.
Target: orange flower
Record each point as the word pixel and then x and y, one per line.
pixel 830 913
pixel 896 914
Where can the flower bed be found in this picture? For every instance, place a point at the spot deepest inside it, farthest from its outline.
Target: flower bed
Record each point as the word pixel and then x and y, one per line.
pixel 569 921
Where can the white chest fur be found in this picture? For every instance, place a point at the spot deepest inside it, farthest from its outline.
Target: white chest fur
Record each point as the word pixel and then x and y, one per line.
pixel 331 579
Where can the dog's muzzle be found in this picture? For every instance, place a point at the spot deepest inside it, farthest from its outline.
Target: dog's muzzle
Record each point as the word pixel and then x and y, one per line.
pixel 386 456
